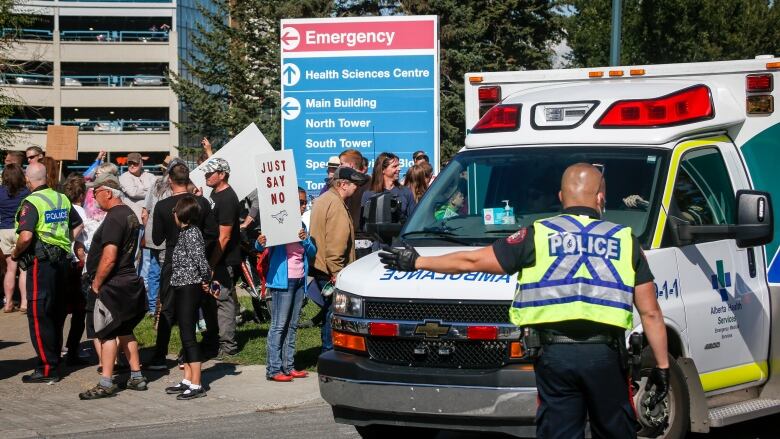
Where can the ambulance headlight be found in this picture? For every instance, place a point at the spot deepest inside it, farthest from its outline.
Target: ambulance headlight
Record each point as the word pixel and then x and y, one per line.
pixel 347 304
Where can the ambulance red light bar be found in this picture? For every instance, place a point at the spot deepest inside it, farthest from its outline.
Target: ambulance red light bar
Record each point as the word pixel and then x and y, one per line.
pixel 482 332
pixel 498 119
pixel 759 83
pixel 689 105
pixel 489 94
pixel 379 329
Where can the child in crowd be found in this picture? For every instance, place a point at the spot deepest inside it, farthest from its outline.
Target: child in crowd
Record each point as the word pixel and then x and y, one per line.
pixel 190 278
pixel 287 270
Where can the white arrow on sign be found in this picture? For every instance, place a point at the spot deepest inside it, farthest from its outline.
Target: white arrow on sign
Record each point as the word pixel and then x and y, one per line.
pixel 291 108
pixel 291 74
pixel 290 38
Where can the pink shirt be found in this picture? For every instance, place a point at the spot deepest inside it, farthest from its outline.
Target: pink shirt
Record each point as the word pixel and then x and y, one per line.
pixel 294 260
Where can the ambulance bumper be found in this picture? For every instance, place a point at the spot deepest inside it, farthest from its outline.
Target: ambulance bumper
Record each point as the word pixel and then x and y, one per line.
pixel 364 392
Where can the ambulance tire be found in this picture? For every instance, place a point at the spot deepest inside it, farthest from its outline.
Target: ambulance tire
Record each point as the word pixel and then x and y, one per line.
pixel 677 401
pixel 380 431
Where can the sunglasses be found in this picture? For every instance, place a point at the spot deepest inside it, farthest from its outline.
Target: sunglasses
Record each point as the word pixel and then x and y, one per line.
pixel 303 202
pixel 33 157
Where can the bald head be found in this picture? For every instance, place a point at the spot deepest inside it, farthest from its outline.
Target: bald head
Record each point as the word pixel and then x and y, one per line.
pixel 36 174
pixel 582 185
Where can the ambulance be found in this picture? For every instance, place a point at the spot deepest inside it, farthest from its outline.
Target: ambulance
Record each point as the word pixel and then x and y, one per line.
pixel 691 158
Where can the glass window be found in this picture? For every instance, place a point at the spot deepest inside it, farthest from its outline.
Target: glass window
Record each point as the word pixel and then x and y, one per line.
pixel 702 191
pixel 465 202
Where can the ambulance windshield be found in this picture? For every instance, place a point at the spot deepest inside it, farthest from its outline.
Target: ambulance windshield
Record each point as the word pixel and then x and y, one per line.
pixel 485 195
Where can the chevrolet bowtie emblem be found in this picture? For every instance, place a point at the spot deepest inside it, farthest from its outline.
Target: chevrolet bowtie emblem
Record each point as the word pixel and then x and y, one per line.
pixel 432 329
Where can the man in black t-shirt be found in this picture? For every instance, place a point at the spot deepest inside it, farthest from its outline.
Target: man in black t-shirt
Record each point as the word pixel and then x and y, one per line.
pixel 225 257
pixel 165 230
pixel 579 319
pixel 118 295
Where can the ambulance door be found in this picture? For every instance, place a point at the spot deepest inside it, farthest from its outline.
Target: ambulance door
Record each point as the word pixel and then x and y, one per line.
pixel 724 299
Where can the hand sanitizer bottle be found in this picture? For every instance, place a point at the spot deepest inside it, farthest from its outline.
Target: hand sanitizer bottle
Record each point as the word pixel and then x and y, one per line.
pixel 509 213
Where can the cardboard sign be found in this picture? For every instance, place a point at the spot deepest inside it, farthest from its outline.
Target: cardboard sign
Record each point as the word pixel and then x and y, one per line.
pixel 62 142
pixel 277 194
pixel 238 153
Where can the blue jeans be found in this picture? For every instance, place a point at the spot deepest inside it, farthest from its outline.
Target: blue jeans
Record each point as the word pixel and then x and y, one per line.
pixel 285 310
pixel 150 273
pixel 326 332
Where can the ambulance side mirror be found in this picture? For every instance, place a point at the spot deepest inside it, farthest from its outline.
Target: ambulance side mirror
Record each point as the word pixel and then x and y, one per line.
pixel 755 223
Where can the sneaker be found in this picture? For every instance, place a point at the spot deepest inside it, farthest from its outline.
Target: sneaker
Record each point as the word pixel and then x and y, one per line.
pixel 137 383
pixel 191 394
pixel 178 388
pixel 156 364
pixel 298 373
pixel 38 377
pixel 99 392
pixel 280 378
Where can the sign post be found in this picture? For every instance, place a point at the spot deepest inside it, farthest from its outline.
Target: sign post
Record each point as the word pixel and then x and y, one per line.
pixel 367 83
pixel 277 195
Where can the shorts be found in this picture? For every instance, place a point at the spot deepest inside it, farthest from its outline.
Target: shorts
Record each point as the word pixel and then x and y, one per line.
pixel 126 328
pixel 7 240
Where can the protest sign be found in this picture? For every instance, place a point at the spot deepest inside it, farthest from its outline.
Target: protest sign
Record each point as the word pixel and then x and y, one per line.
pixel 62 142
pixel 238 153
pixel 277 194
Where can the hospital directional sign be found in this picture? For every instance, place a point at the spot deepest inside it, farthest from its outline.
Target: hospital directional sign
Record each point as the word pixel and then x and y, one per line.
pixel 368 83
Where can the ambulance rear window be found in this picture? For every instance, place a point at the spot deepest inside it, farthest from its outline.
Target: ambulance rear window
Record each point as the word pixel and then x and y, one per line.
pixel 467 203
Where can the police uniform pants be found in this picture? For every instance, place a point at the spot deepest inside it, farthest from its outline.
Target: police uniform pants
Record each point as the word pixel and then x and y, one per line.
pixel 579 380
pixel 46 311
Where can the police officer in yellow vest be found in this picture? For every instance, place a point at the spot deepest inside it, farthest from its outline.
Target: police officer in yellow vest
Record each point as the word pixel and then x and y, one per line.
pixel 45 223
pixel 578 280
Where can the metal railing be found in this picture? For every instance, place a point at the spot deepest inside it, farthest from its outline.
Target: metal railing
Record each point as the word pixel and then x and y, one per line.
pixel 92 125
pixel 120 125
pixel 114 81
pixel 29 124
pixel 26 79
pixel 27 34
pixel 113 36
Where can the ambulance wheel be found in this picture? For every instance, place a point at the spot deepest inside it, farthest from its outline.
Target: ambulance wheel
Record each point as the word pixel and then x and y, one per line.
pixel 669 419
pixel 379 431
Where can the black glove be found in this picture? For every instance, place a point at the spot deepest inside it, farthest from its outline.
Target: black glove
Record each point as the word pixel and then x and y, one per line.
pixel 660 379
pixel 402 259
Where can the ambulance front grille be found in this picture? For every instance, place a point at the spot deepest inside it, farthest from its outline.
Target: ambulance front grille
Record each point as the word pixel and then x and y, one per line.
pixel 466 354
pixel 447 311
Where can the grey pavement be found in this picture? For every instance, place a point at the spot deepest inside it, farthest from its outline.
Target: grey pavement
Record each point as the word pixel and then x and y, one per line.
pixel 34 410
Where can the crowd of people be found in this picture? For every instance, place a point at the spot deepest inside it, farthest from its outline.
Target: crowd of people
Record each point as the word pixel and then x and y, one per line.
pixel 111 248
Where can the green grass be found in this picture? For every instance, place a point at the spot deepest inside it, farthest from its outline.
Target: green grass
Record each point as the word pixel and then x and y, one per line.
pixel 251 338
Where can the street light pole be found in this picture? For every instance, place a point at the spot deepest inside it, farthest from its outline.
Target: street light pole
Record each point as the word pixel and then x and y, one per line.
pixel 614 49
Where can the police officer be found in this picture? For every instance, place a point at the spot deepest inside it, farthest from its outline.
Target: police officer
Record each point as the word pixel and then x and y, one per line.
pixel 578 277
pixel 44 224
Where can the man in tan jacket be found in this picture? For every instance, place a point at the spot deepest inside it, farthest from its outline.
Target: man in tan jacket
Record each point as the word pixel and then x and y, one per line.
pixel 333 233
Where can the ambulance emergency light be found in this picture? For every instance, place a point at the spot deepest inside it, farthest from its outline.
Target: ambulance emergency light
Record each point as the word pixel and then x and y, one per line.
pixel 689 105
pixel 500 118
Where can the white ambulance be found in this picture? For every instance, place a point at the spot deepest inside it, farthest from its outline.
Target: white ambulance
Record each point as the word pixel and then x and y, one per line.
pixel 690 153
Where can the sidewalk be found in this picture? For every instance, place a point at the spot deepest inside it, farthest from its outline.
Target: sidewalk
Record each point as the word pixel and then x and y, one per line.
pixel 33 410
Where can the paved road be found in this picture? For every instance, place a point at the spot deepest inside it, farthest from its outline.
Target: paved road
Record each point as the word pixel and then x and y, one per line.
pixel 315 420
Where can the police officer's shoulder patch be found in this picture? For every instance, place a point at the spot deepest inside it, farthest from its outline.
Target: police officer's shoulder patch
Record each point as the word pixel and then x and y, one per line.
pixel 517 237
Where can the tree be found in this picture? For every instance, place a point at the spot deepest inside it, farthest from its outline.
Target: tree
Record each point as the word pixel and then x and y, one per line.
pixel 10 24
pixel 233 77
pixel 668 31
pixel 485 35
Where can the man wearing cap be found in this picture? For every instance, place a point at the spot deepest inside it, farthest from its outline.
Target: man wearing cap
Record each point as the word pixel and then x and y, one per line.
pixel 117 294
pixel 136 182
pixel 333 163
pixel 45 224
pixel 225 257
pixel 334 235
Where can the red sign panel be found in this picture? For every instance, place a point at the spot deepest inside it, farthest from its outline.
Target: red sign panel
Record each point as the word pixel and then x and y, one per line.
pixel 369 35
